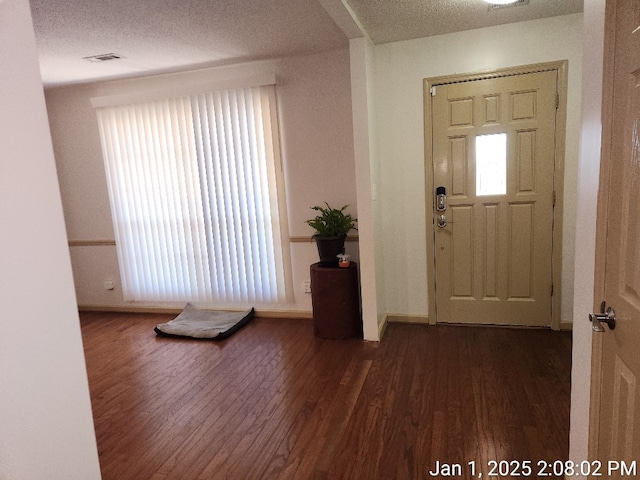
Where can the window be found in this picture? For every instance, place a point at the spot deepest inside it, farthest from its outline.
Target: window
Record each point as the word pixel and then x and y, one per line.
pixel 491 164
pixel 196 196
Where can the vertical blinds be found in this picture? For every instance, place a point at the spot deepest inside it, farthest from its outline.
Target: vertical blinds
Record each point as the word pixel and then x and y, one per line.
pixel 195 191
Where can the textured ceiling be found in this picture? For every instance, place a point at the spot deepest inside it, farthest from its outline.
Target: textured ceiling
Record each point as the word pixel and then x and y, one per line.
pixel 394 20
pixel 168 35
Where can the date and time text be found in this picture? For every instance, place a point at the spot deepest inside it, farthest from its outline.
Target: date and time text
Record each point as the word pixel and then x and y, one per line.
pixel 534 469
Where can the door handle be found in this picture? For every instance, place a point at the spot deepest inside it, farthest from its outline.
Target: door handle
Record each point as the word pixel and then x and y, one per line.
pixel 441 221
pixel 608 317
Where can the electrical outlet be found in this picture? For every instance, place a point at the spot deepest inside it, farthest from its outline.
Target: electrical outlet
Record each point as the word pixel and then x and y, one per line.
pixel 306 287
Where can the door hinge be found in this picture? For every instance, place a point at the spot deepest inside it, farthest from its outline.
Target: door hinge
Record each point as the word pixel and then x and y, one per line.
pixel 433 91
pixel 552 289
pixel 553 198
pixel 557 100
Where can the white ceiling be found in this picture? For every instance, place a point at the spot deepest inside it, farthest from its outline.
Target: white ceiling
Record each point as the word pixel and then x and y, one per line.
pixel 394 20
pixel 169 35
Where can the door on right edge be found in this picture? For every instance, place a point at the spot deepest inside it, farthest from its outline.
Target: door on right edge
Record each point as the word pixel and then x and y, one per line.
pixel 617 352
pixel 493 157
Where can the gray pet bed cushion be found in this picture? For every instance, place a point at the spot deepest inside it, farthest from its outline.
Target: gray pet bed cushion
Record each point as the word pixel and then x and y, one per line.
pixel 204 324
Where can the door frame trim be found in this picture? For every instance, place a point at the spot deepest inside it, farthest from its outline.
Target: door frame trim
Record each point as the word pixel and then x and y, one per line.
pixel 561 67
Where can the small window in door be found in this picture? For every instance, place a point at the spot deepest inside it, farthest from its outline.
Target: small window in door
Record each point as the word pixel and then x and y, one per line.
pixel 491 164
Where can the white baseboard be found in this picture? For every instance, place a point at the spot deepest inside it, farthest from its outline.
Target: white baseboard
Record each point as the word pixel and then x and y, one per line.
pixel 382 327
pixel 404 318
pixel 175 310
pixel 128 309
pixel 303 314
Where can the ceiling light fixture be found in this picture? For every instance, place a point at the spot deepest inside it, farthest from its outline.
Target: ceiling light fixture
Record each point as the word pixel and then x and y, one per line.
pixel 498 4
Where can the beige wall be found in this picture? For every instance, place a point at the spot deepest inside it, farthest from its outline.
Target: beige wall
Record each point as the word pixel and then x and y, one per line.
pixel 314 102
pixel 46 427
pixel 401 68
pixel 364 127
pixel 588 184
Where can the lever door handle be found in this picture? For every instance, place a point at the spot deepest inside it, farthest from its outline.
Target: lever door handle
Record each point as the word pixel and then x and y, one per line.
pixel 608 317
pixel 441 221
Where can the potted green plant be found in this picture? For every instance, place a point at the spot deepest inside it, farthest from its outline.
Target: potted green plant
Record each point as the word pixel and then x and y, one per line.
pixel 331 226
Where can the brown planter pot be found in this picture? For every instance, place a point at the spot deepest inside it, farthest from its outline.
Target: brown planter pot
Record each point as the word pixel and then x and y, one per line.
pixel 329 248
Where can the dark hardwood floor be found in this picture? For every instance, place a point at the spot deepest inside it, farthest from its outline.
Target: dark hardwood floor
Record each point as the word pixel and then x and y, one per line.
pixel 275 402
